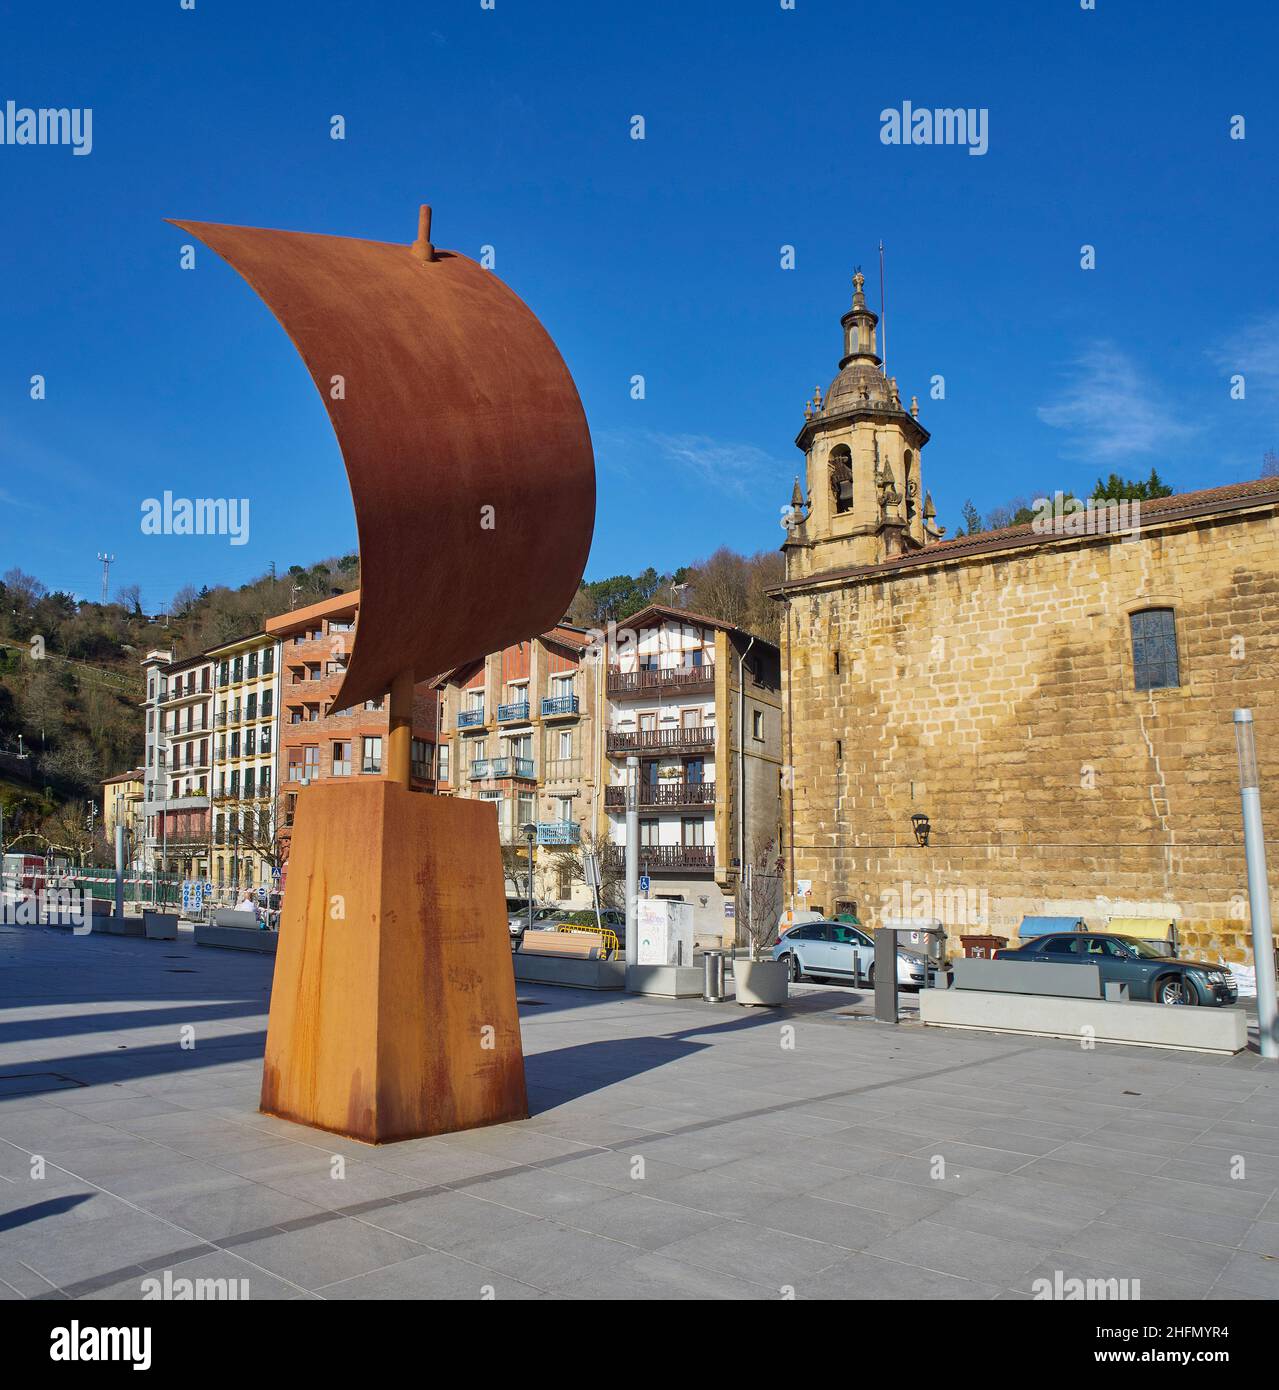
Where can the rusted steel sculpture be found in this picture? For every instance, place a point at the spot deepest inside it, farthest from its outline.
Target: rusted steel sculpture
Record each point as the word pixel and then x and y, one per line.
pixel 393 1008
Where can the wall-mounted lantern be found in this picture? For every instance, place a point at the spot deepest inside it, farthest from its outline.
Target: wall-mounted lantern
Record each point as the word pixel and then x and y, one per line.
pixel 922 827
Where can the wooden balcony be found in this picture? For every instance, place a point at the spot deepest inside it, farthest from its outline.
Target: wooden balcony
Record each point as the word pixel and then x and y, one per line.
pixel 653 741
pixel 659 794
pixel 688 680
pixel 656 859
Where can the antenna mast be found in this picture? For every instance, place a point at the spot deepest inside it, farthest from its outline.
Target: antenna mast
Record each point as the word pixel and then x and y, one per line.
pixel 883 317
pixel 107 562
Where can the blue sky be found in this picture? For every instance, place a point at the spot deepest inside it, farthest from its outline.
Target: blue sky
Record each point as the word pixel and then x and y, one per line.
pixel 661 258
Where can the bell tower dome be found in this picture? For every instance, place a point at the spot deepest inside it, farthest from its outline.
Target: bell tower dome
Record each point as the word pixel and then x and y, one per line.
pixel 864 499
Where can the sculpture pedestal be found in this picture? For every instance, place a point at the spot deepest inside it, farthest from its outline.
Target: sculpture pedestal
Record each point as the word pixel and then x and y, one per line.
pixel 393 1009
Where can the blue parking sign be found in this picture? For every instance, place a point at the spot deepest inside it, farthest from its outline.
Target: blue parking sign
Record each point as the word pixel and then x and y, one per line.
pixel 645 883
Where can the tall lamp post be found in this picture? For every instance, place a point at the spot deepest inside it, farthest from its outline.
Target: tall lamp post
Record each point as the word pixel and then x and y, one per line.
pixel 1254 844
pixel 530 836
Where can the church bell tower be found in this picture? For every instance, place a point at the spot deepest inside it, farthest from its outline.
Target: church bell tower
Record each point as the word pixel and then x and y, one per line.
pixel 863 500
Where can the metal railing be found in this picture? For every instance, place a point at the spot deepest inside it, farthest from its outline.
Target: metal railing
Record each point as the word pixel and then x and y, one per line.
pixel 517 709
pixel 554 706
pixel 470 718
pixel 559 832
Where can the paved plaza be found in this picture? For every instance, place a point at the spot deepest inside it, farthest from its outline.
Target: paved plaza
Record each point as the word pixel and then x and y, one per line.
pixel 675 1150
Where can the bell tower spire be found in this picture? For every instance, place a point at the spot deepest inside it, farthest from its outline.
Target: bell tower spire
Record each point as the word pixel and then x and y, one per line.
pixel 859 323
pixel 865 497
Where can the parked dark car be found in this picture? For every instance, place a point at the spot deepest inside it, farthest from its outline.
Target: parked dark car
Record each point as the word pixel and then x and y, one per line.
pixel 1148 972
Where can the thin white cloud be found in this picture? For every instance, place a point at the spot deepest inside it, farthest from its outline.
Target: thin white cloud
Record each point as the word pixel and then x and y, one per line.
pixel 1253 353
pixel 745 470
pixel 1109 411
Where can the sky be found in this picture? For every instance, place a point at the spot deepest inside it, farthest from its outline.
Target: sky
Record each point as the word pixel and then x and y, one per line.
pixel 661 258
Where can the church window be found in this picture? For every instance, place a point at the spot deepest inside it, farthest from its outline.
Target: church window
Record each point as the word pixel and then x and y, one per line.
pixel 1154 649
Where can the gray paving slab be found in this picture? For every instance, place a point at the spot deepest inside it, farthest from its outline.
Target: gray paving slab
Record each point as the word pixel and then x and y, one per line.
pixel 764 1172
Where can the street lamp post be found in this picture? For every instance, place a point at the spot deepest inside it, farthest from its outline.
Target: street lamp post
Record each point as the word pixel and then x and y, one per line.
pixel 632 860
pixel 1254 844
pixel 530 835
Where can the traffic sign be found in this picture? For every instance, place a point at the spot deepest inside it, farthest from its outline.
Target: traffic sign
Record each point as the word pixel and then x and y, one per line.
pixel 645 883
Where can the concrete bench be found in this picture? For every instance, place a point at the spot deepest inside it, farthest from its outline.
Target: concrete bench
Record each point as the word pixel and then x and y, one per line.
pixel 578 944
pixel 235 938
pixel 160 926
pixel 1187 1029
pixel 539 968
pixel 229 917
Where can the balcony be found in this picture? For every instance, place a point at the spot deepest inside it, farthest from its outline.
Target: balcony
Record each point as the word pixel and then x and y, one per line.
pixel 514 712
pixel 556 832
pixel 502 767
pixel 689 679
pixel 661 740
pixel 656 859
pixel 470 718
pixel 557 706
pixel 663 794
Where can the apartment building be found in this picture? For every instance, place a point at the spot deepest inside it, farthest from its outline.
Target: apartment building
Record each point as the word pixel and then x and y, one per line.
pixel 177 764
pixel 123 797
pixel 518 730
pixel 246 817
pixel 318 743
pixel 698 701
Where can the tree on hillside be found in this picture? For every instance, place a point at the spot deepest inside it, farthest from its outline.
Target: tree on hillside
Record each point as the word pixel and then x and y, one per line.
pixel 732 588
pixel 1117 489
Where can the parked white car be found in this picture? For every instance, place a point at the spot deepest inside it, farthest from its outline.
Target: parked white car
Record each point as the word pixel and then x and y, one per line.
pixel 835 950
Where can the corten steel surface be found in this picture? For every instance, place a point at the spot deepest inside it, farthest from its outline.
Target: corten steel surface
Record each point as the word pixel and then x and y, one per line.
pixel 393 1010
pixel 455 399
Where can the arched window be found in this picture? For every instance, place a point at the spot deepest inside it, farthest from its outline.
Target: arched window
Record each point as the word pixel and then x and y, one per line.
pixel 841 477
pixel 1154 649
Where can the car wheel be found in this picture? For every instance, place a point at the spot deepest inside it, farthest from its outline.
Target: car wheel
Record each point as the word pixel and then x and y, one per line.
pixel 1175 989
pixel 870 977
pixel 792 964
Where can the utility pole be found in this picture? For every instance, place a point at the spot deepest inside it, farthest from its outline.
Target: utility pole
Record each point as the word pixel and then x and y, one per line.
pixel 107 562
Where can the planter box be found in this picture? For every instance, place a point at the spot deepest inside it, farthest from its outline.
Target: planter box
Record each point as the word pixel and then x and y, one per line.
pixel 668 981
pixel 160 926
pixel 764 982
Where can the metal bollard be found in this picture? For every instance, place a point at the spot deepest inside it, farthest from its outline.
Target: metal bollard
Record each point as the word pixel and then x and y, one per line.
pixel 713 984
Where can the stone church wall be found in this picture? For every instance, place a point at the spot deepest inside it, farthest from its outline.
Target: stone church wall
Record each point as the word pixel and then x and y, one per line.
pixel 995 694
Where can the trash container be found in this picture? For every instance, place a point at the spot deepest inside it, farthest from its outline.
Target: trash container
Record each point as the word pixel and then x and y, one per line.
pixel 982 947
pixel 713 985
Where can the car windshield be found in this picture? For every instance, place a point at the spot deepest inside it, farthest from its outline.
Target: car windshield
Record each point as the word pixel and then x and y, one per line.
pixel 1148 950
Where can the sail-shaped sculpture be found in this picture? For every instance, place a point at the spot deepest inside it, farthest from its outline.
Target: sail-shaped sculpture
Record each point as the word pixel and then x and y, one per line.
pixel 393 1009
pixel 464 439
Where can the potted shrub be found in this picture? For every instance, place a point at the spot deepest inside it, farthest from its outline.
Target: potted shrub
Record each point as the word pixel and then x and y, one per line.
pixel 758 978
